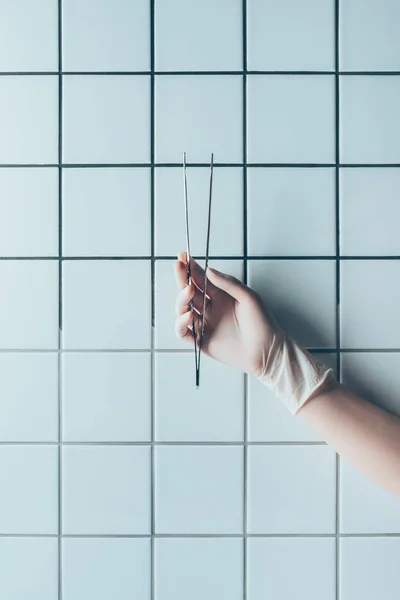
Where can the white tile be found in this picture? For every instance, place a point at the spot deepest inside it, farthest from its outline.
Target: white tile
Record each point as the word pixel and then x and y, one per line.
pixel 198 489
pixel 227 198
pixel 166 292
pixel 291 489
pixel 29 568
pixel 369 124
pixel 291 211
pixel 285 287
pixel 106 305
pixel 370 296
pixel 29 393
pixel 106 212
pixel 106 397
pixel 290 568
pixel 29 36
pixel 291 119
pixel 111 35
pixel 270 421
pixel 212 412
pixel 106 119
pixel 290 35
pixel 370 211
pixel 105 568
pixel 29 307
pixel 369 37
pixel 369 568
pixel 29 119
pixel 199 115
pixel 199 36
pixel 29 484
pixel 198 569
pixel 106 490
pixel 29 212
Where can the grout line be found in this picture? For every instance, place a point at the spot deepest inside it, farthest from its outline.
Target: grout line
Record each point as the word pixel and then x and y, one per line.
pixel 151 443
pixel 203 535
pixel 184 351
pixel 231 165
pixel 214 73
pixel 153 257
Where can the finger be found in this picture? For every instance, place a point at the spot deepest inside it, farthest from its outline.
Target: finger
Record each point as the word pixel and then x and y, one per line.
pixel 181 274
pixel 184 322
pixel 190 294
pixel 198 277
pixel 228 284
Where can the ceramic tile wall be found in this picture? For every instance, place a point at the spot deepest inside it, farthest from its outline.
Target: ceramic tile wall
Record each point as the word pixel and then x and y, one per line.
pixel 118 479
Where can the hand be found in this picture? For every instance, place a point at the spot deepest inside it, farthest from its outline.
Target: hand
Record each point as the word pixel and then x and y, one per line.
pixel 238 329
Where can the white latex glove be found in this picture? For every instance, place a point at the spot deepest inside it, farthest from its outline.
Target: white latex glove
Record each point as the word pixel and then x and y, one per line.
pixel 240 332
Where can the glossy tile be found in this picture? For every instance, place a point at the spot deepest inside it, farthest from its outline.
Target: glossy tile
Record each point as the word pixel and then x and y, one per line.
pixel 291 489
pixel 198 568
pixel 105 568
pixel 29 484
pixel 310 562
pixel 189 36
pixel 290 119
pixel 199 115
pixel 29 392
pixel 106 119
pixel 106 212
pixel 198 489
pixel 29 308
pixel 285 287
pixel 170 216
pixel 103 305
pixel 369 312
pixel 369 37
pixel 111 35
pixel 369 125
pixel 290 36
pixel 291 211
pixel 29 119
pixel 106 490
pixel 29 568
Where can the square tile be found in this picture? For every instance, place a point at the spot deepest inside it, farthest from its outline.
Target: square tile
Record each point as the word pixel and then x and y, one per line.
pixel 106 119
pixel 199 115
pixel 29 212
pixel 166 292
pixel 187 39
pixel 29 119
pixel 111 35
pixel 310 562
pixel 291 119
pixel 29 568
pixel 29 307
pixel 369 211
pixel 29 392
pixel 291 211
pixel 369 124
pixel 270 421
pixel 106 212
pixel 369 568
pixel 290 35
pixel 29 36
pixel 285 287
pixel 213 412
pixel 198 489
pixel 198 568
pixel 370 296
pixel 170 217
pixel 106 397
pixel 105 568
pixel 29 484
pixel 291 489
pixel 369 35
pixel 106 490
pixel 103 305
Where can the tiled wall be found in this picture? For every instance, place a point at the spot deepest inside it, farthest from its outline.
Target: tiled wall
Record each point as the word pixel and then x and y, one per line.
pixel 118 479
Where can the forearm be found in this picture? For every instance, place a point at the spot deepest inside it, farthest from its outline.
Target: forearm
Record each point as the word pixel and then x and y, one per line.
pixel 361 432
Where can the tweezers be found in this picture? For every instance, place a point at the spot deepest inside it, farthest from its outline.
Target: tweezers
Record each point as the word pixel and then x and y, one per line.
pixel 197 335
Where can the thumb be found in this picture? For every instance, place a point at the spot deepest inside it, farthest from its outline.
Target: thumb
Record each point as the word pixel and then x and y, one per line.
pixel 227 283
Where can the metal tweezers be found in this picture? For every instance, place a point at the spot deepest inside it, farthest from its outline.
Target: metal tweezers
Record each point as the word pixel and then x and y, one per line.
pixel 197 336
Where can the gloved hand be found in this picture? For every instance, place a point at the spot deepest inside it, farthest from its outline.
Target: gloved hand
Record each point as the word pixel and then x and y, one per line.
pixel 240 332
